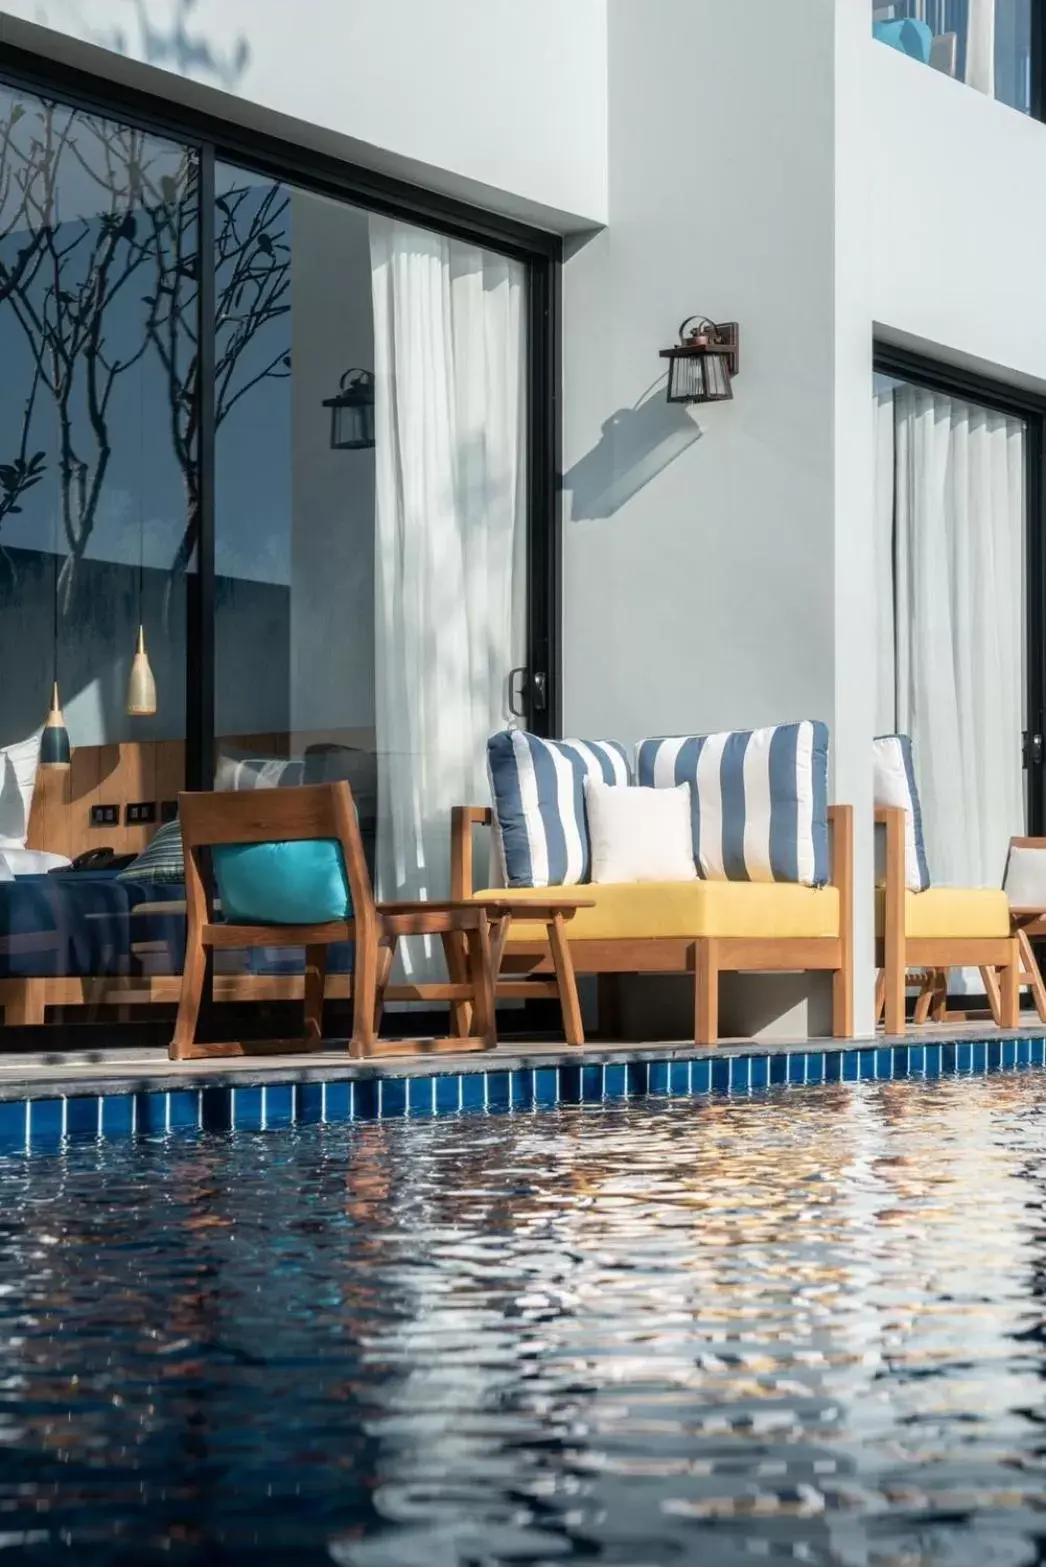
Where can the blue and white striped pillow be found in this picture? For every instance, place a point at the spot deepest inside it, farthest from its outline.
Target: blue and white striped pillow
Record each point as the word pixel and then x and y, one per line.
pixel 538 790
pixel 893 783
pixel 759 799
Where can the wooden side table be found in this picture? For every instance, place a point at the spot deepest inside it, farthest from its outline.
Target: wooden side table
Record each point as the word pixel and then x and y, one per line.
pixel 553 914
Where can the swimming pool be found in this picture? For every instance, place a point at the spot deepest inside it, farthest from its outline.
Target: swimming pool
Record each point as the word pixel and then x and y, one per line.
pixel 805 1325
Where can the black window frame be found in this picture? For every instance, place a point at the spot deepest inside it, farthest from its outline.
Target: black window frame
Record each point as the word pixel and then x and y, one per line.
pixel 541 252
pixel 990 392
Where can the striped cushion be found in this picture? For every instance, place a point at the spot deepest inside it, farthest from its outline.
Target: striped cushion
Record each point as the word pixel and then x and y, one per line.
pixel 162 859
pixel 759 799
pixel 894 784
pixel 538 790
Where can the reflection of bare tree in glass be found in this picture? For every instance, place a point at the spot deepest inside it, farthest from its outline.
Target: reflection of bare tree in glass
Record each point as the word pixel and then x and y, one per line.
pixel 252 281
pixel 79 267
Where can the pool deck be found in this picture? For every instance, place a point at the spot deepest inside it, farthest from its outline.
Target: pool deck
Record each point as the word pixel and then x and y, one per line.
pixel 130 1070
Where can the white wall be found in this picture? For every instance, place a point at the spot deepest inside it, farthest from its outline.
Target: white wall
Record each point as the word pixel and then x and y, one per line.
pixel 498 100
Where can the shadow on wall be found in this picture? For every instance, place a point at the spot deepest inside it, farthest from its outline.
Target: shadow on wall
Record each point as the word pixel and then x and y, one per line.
pixel 636 445
pixel 164 38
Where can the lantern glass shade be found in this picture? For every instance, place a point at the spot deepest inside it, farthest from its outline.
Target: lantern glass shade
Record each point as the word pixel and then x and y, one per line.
pixel 702 366
pixel 352 412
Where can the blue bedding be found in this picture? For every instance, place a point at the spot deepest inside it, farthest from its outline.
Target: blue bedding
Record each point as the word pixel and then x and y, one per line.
pixel 82 924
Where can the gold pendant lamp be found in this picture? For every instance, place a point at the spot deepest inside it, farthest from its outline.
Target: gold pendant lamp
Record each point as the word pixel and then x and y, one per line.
pixel 141 687
pixel 55 751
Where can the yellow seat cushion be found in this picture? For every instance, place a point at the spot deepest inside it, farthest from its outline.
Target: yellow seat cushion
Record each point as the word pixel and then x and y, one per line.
pixel 955 912
pixel 674 909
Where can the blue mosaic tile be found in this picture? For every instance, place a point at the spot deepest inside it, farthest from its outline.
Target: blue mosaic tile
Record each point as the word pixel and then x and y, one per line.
pixel 279 1104
pixel 522 1090
pixel 363 1102
pixel 183 1109
pixel 700 1076
pixel 310 1104
pixel 118 1115
pixel 867 1061
pixel 1038 1052
pixel 759 1071
pixel 636 1079
pixel 994 1054
pixel 499 1092
pixel 898 1061
pixel 474 1090
pixel 14 1126
pixel 570 1084
pixel 337 1101
pixel 815 1066
pixel 247 1109
pixel 546 1086
pixel 916 1060
pixel 392 1096
pixel 980 1056
pixel 1009 1052
pixel 778 1069
pixel 46 1122
pixel 216 1108
pixel 721 1075
pixel 884 1062
pixel 796 1061
pixel 934 1060
pixel 963 1057
pixel 1024 1052
pixel 657 1082
pixel 833 1066
pixel 679 1077
pixel 445 1094
pixel 851 1065
pixel 949 1058
pixel 615 1080
pixel 590 1085
pixel 740 1075
pixel 150 1114
pixel 82 1118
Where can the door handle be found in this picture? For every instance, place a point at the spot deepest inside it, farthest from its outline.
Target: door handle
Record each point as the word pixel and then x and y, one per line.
pixel 523 682
pixel 1032 748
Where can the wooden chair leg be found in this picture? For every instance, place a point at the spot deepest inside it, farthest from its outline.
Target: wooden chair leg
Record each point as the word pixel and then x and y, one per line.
pixel 1032 973
pixel 880 995
pixel 843 1003
pixel 315 986
pixel 990 981
pixel 481 979
pixel 182 1046
pixel 1009 990
pixel 893 988
pixel 364 993
pixel 454 952
pixel 566 981
pixel 386 958
pixel 706 998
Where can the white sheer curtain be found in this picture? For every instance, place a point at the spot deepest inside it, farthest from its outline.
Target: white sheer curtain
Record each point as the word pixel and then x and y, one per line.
pixel 950 523
pixel 449 334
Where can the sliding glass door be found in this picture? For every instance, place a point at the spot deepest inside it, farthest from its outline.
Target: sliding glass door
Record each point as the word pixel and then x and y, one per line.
pixel 953 653
pixel 275 482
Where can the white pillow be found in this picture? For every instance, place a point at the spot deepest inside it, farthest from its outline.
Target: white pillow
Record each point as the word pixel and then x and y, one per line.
pixel 18 765
pixel 639 834
pixel 1025 878
pixel 34 862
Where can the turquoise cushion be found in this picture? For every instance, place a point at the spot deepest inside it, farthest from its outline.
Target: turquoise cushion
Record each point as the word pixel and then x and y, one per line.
pixel 298 883
pixel 910 37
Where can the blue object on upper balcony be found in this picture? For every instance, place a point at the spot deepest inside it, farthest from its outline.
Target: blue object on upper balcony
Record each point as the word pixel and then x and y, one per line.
pixel 909 36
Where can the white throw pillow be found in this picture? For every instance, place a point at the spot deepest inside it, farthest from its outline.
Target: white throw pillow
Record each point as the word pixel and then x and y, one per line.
pixel 34 862
pixel 1025 879
pixel 639 834
pixel 18 764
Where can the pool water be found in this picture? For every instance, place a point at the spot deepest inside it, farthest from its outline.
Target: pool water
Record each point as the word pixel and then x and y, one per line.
pixel 807 1326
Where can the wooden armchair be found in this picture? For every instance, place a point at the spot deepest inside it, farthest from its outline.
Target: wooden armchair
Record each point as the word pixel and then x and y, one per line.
pixel 933 931
pixel 325 811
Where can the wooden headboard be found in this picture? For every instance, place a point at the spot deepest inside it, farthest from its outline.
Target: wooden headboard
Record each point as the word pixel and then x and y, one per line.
pixel 133 773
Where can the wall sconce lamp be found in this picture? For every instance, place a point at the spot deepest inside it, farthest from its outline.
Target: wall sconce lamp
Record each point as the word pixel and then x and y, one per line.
pixel 352 412
pixel 704 362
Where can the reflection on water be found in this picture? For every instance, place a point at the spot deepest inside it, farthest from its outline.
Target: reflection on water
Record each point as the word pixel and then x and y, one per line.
pixel 809 1327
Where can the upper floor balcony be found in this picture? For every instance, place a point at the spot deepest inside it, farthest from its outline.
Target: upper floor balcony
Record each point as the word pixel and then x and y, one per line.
pixel 992 45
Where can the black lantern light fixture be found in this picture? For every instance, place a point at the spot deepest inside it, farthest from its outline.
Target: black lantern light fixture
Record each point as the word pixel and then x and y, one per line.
pixel 352 412
pixel 702 366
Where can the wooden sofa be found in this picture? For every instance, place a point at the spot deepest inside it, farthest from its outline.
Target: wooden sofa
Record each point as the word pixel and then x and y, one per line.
pixel 928 933
pixel 703 928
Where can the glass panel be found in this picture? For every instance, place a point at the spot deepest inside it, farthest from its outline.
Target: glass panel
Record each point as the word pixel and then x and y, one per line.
pixel 97 496
pixel 370 530
pixel 950 509
pixel 985 43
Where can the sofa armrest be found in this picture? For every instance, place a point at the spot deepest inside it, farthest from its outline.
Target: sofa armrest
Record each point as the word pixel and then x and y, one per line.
pixel 895 881
pixel 841 856
pixel 462 820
